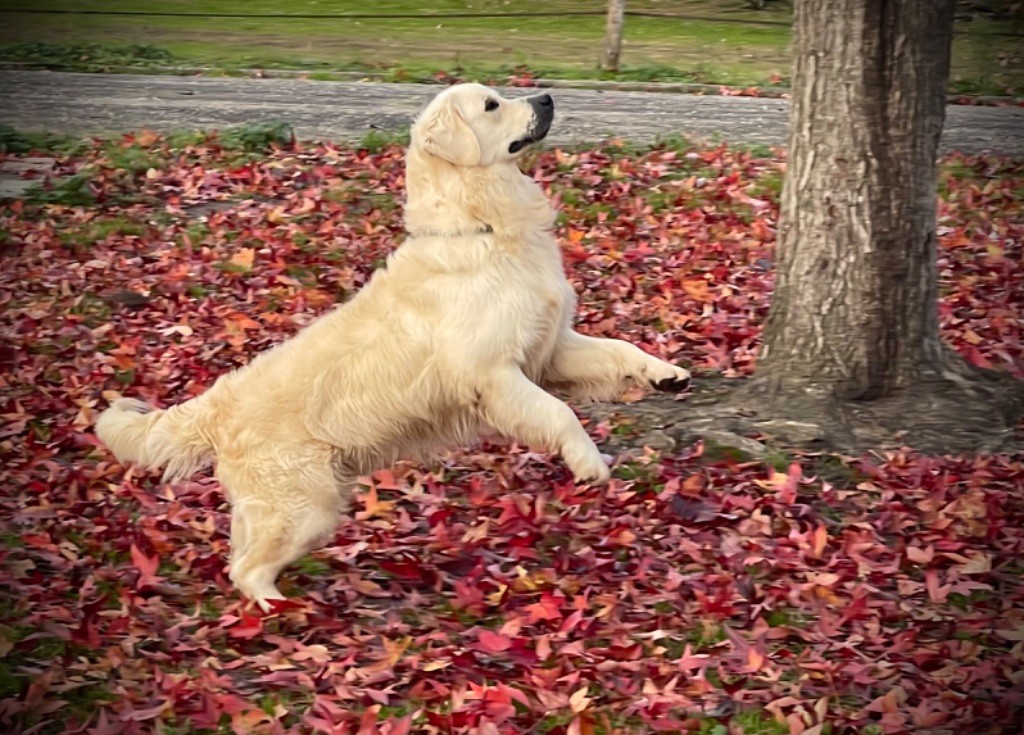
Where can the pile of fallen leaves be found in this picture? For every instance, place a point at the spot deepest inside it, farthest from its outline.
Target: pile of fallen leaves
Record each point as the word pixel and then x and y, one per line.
pixel 699 592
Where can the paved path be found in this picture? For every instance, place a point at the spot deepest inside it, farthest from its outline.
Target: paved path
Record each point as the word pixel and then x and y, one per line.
pixel 97 103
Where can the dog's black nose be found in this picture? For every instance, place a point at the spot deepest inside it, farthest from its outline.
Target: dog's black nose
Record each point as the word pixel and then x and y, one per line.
pixel 544 100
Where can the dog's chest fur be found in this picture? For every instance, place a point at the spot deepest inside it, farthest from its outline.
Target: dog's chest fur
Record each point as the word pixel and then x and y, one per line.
pixel 539 295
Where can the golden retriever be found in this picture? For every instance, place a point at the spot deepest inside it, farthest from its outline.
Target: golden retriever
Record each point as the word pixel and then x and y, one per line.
pixel 462 334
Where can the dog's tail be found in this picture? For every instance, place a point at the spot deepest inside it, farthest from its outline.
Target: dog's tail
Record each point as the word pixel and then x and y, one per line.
pixel 177 439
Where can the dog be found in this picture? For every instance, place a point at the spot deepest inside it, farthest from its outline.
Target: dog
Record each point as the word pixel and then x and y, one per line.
pixel 466 332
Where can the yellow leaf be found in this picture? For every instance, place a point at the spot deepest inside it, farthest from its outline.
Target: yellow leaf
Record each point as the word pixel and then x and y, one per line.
pixel 819 540
pixel 692 485
pixel 527 582
pixel 697 289
pixel 243 259
pixel 477 533
pixel 755 660
pixel 436 665
pixel 828 595
pixel 498 595
pixel 579 700
pixel 395 649
pixel 374 506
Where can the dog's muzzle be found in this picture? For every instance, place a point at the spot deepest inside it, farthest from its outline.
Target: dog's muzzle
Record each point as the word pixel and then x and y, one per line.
pixel 543 113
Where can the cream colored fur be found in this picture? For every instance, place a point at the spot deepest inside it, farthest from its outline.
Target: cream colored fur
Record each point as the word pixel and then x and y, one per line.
pixel 460 334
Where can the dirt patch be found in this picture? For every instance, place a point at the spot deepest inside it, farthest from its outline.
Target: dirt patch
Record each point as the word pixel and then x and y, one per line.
pixel 937 417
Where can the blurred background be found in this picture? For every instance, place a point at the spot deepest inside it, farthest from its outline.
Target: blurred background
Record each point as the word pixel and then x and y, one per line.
pixel 742 43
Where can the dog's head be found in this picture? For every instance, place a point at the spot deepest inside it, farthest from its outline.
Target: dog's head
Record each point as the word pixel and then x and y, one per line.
pixel 472 125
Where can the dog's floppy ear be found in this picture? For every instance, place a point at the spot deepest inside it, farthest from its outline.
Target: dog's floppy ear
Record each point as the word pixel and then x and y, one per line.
pixel 445 134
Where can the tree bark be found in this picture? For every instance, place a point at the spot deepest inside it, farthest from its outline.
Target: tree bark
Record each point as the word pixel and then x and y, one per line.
pixel 854 312
pixel 613 35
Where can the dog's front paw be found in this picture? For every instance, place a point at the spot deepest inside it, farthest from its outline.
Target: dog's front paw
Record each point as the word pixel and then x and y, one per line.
pixel 677 382
pixel 588 467
pixel 600 477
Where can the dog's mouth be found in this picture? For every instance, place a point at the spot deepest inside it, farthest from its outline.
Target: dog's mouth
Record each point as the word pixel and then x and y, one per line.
pixel 543 113
pixel 517 145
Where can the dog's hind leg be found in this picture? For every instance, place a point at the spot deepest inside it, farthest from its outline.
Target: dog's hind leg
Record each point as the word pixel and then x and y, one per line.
pixel 278 515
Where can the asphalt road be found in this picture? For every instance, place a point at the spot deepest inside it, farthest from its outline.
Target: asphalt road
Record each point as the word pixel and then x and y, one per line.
pixel 99 103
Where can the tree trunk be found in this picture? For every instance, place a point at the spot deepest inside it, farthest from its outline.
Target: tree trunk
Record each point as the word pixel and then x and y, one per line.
pixel 852 359
pixel 613 35
pixel 854 312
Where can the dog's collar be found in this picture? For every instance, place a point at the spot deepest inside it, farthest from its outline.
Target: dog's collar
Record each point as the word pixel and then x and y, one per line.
pixel 485 230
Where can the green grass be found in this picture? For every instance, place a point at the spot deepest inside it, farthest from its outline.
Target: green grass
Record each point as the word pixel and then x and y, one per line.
pixel 969 601
pixel 310 566
pixel 17 141
pixel 10 682
pixel 196 233
pixel 952 171
pixel 746 722
pixel 258 136
pixel 88 56
pixel 785 617
pixel 133 159
pixel 715 452
pixel 104 228
pixel 777 459
pixel 634 472
pixel 375 141
pixel 657 49
pixel 93 308
pixel 768 184
pixel 708 635
pixel 72 191
pixel 406 47
pixel 752 722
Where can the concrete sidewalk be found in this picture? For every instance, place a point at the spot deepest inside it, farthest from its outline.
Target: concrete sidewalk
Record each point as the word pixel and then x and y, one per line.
pixel 100 103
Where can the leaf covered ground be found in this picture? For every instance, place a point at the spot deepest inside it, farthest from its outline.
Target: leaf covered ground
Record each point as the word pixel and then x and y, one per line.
pixel 700 592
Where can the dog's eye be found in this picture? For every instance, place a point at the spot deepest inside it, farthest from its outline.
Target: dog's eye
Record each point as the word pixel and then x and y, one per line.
pixel 491 105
